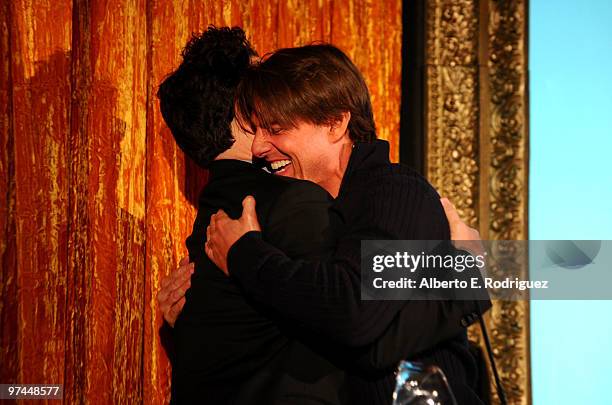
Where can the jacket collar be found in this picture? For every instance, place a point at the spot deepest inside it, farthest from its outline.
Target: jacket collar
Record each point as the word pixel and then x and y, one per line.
pixel 366 157
pixel 222 168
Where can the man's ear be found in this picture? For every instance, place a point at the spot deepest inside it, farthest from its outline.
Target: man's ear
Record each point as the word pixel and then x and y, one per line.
pixel 339 128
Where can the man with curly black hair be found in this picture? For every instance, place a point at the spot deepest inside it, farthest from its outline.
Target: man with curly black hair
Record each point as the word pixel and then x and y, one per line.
pixel 227 350
pixel 196 100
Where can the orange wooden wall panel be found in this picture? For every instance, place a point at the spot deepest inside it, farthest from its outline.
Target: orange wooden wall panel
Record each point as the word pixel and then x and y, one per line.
pixel 40 92
pixel 79 229
pixel 97 198
pixel 9 304
pixel 117 145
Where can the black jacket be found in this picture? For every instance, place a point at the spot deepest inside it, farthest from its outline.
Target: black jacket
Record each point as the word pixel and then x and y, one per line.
pixel 377 200
pixel 227 350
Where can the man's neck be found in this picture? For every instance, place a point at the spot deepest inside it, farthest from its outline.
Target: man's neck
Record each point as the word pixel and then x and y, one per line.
pixel 234 158
pixel 241 147
pixel 236 152
pixel 332 183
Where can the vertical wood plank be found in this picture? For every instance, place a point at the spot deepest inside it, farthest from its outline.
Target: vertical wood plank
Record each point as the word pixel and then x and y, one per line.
pixel 107 202
pixel 79 246
pixel 40 33
pixel 117 130
pixel 9 303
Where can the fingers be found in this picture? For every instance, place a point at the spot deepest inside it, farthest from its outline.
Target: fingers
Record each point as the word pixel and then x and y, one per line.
pixel 168 284
pixel 184 261
pixel 172 292
pixel 173 289
pixel 248 205
pixel 164 304
pixel 179 292
pixel 172 314
pixel 212 226
pixel 249 214
pixel 222 233
pixel 213 222
pixel 216 221
pixel 220 216
pixel 209 251
pixel 451 212
pixel 248 209
pixel 181 275
pixel 210 229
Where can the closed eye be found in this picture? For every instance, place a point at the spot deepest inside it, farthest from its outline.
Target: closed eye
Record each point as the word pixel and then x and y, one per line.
pixel 276 130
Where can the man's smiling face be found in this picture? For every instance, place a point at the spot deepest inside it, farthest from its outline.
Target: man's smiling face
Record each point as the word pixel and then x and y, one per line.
pixel 304 152
pixel 306 107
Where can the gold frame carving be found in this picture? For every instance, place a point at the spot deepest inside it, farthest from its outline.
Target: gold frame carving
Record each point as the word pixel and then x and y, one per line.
pixel 477 145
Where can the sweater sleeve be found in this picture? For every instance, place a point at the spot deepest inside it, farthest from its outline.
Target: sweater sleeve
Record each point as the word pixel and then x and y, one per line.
pixel 325 295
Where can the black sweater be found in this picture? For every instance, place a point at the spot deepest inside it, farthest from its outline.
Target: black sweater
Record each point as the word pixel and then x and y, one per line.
pixel 377 200
pixel 228 348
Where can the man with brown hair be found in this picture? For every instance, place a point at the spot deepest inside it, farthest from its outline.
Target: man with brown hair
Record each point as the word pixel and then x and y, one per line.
pixel 310 111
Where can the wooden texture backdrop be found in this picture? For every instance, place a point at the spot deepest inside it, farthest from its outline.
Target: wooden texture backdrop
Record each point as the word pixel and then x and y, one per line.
pixel 96 198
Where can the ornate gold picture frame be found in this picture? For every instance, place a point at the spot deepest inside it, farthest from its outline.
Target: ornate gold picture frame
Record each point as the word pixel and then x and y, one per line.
pixel 476 144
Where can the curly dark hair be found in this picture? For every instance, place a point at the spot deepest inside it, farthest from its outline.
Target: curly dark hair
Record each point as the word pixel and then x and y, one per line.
pixel 197 99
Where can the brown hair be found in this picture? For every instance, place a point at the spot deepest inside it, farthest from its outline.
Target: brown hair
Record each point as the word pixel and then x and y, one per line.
pixel 313 83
